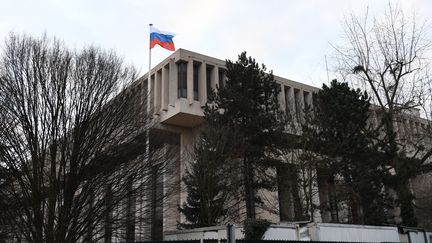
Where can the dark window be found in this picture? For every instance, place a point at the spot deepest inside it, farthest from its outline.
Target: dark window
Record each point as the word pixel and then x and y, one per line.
pixel 306 99
pixel 288 101
pixel 297 102
pixel 221 77
pixel 196 69
pixel 208 78
pixel 108 216
pixel 182 80
pixel 130 213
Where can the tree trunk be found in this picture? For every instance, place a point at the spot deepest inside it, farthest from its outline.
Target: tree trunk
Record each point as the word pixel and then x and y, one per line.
pixel 249 189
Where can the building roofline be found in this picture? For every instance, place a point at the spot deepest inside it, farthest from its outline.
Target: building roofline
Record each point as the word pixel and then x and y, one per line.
pixel 184 52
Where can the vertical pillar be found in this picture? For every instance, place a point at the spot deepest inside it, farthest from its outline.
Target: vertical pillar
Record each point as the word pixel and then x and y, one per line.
pixel 224 77
pixel 402 127
pixel 316 214
pixel 165 87
pixel 190 95
pixel 171 186
pixel 417 131
pixel 281 98
pixel 186 151
pixel 231 238
pixel 284 178
pixel 300 105
pixel 173 82
pixel 202 79
pixel 215 77
pixel 308 99
pixel 374 119
pixel 324 197
pixel 290 104
pixel 396 128
pixel 408 129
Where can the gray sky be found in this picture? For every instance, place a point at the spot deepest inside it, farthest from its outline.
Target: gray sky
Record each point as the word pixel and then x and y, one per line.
pixel 291 37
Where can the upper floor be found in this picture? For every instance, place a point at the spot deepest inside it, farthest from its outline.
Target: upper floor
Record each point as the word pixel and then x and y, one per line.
pixel 180 85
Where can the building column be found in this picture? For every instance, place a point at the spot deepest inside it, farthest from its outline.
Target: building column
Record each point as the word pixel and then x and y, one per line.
pixel 202 79
pixel 186 151
pixel 214 77
pixel 396 128
pixel 300 105
pixel 281 98
pixel 190 95
pixel 165 87
pixel 173 83
pixel 374 119
pixel 290 101
pixel 308 99
pixel 316 214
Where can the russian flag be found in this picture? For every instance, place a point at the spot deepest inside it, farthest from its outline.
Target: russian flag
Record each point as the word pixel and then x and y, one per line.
pixel 162 38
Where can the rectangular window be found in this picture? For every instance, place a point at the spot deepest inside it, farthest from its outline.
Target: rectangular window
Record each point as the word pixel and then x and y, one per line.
pixel 130 213
pixel 297 102
pixel 288 101
pixel 108 229
pixel 306 99
pixel 221 77
pixel 182 79
pixel 208 78
pixel 196 69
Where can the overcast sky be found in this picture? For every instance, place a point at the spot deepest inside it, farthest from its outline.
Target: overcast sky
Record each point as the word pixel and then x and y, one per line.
pixel 290 36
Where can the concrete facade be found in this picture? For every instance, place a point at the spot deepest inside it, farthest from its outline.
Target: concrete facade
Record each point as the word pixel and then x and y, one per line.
pixel 179 88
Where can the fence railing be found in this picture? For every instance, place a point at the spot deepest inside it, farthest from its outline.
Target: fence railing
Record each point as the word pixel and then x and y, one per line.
pixel 248 241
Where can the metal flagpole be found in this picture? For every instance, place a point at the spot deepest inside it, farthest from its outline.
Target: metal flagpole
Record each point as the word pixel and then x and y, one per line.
pixel 149 73
pixel 149 116
pixel 147 126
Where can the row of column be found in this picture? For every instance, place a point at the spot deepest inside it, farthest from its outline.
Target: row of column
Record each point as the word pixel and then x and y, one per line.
pixel 294 100
pixel 164 84
pixel 406 127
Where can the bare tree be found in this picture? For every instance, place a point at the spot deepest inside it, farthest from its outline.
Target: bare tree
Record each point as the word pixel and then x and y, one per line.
pixel 388 57
pixel 297 172
pixel 72 142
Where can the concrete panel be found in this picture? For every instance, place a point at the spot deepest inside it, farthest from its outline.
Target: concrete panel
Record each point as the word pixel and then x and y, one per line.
pixel 353 233
pixel 280 233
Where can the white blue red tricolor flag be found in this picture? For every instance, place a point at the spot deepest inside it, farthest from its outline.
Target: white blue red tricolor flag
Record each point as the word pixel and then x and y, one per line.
pixel 162 38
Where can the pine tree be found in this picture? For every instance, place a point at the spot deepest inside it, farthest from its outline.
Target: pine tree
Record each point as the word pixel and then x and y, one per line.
pixel 339 125
pixel 205 180
pixel 247 104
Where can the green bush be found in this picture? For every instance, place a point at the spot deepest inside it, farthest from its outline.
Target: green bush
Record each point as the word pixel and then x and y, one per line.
pixel 254 229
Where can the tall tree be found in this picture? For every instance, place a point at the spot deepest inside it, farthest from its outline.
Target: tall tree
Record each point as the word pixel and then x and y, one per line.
pixel 68 126
pixel 387 56
pixel 210 191
pixel 339 126
pixel 247 103
pixel 205 180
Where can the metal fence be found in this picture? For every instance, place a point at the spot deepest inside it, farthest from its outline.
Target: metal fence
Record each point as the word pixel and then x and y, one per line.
pixel 249 241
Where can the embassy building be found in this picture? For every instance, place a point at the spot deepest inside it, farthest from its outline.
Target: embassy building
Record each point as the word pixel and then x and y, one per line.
pixel 179 88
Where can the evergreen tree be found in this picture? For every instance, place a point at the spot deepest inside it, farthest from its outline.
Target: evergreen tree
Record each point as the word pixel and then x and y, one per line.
pixel 339 125
pixel 247 104
pixel 205 180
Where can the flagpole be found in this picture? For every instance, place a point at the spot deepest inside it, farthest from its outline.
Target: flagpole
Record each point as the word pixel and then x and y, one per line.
pixel 149 116
pixel 149 75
